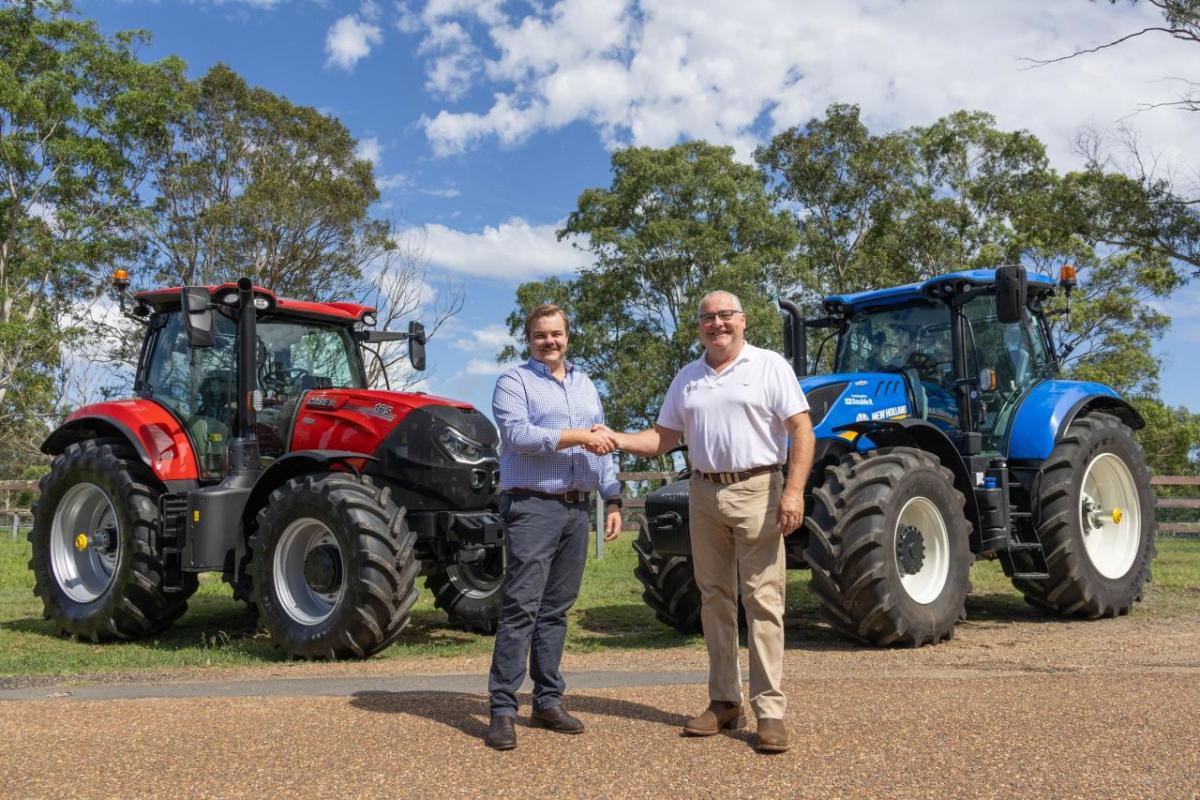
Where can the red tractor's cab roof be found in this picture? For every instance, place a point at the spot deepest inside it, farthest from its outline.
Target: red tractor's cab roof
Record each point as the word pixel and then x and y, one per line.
pixel 264 300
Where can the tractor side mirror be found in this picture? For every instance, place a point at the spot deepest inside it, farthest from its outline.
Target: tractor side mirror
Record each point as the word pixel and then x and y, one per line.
pixel 416 345
pixel 197 317
pixel 1011 293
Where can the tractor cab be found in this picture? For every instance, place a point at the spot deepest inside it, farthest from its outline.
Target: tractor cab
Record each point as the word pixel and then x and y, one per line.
pixel 964 369
pixel 299 347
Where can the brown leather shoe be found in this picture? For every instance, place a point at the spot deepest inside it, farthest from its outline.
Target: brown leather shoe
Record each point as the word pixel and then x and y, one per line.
pixel 501 733
pixel 556 719
pixel 719 714
pixel 772 736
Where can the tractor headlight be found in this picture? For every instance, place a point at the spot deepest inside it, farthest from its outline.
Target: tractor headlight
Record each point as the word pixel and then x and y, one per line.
pixel 458 445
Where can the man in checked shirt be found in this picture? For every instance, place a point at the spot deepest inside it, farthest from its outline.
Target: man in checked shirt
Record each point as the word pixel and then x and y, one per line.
pixel 545 409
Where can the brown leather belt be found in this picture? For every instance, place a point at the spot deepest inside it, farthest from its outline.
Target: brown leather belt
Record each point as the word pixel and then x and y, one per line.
pixel 572 497
pixel 737 477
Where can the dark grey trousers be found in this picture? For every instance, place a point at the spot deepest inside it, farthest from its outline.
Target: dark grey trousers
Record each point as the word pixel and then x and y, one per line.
pixel 546 544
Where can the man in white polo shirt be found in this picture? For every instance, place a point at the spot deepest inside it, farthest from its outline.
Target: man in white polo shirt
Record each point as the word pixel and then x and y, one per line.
pixel 738 407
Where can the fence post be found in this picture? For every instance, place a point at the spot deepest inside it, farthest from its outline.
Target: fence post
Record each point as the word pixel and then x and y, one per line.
pixel 599 526
pixel 16 530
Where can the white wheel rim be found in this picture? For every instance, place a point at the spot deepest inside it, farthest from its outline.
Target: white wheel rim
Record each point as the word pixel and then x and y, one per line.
pixel 297 597
pixel 84 573
pixel 926 584
pixel 1110 515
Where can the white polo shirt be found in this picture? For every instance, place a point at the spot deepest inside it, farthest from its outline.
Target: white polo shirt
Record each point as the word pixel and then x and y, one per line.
pixel 734 420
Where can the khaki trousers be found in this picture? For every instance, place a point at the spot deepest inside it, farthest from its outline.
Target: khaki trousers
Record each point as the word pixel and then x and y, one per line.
pixel 734 531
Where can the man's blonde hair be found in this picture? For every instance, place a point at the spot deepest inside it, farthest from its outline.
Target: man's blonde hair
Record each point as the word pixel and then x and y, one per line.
pixel 545 310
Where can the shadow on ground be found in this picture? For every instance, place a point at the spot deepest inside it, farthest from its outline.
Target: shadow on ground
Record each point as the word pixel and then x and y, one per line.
pixel 469 713
pixel 232 626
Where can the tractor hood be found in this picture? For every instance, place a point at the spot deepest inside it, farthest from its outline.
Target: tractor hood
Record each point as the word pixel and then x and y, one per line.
pixel 836 400
pixel 436 453
pixel 358 419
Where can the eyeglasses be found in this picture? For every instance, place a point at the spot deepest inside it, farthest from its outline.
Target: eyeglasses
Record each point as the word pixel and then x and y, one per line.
pixel 724 315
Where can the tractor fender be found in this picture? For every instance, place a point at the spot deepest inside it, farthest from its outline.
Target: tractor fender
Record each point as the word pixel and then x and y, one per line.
pixel 912 432
pixel 154 432
pixel 1051 406
pixel 292 465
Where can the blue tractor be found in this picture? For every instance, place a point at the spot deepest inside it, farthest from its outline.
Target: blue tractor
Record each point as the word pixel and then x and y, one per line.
pixel 945 435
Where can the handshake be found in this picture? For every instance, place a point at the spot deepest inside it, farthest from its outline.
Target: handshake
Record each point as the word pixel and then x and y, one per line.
pixel 602 440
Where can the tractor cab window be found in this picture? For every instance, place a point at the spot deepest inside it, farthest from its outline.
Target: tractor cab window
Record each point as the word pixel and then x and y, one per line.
pixel 294 357
pixel 198 384
pixel 914 340
pixel 1014 353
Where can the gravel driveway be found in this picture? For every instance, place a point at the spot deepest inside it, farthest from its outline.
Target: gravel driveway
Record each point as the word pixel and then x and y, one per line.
pixel 1024 709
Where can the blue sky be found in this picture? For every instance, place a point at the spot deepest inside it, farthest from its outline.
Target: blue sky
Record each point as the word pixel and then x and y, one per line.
pixel 486 119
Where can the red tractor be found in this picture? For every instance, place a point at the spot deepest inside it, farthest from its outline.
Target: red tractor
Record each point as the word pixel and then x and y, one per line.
pixel 253 448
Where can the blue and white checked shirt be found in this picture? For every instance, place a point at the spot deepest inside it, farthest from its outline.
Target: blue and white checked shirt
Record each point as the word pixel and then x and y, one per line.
pixel 531 407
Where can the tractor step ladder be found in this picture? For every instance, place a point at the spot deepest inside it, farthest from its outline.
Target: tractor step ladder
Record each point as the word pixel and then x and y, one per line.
pixel 1035 567
pixel 172 513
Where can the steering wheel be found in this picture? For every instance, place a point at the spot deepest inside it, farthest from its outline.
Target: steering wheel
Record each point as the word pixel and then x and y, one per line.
pixel 928 368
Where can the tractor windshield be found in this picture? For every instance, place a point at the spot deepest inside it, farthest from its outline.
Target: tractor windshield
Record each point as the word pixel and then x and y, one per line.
pixel 898 338
pixel 200 384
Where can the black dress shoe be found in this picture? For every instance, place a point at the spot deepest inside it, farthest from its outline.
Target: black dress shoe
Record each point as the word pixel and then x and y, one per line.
pixel 556 719
pixel 501 733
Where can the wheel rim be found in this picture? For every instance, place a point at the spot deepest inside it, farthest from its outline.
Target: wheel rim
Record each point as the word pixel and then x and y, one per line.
pixel 480 579
pixel 923 577
pixel 1110 515
pixel 309 571
pixel 84 543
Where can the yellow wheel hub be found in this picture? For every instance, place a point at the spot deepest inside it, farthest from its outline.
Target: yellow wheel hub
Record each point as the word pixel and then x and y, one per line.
pixel 81 542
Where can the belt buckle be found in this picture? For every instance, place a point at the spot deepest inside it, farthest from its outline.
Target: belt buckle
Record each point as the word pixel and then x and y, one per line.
pixel 573 496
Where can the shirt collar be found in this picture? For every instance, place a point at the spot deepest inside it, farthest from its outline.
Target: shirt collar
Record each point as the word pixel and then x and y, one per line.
pixel 744 356
pixel 542 369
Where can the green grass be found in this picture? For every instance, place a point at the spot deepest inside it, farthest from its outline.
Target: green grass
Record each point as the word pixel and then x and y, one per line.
pixel 610 615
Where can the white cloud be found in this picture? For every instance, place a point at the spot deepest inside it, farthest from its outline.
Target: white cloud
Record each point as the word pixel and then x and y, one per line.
pixel 387 183
pixel 369 149
pixel 489 339
pixel 480 366
pixel 653 72
pixel 447 192
pixel 267 4
pixel 350 40
pixel 456 61
pixel 512 250
pixel 370 10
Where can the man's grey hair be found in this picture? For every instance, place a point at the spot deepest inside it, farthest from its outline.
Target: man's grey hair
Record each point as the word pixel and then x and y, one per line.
pixel 737 304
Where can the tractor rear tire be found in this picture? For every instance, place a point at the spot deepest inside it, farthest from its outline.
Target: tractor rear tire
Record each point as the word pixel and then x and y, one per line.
pixel 332 567
pixel 471 593
pixel 1100 573
pixel 669 585
pixel 100 488
pixel 889 548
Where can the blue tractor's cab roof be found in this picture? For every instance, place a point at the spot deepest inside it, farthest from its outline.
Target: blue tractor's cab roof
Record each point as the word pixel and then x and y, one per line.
pixel 935 287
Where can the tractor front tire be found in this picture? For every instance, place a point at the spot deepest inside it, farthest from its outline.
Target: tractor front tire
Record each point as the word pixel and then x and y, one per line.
pixel 1095 523
pixel 668 585
pixel 471 593
pixel 332 565
pixel 889 548
pixel 94 562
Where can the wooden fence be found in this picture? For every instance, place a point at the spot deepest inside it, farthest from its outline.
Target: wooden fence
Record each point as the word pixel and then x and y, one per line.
pixel 14 517
pixel 637 504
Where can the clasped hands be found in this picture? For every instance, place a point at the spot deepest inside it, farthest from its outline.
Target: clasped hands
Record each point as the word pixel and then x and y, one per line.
pixel 602 440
